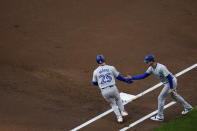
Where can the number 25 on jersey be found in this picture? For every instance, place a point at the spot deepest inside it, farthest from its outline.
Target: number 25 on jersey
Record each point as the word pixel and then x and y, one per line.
pixel 105 78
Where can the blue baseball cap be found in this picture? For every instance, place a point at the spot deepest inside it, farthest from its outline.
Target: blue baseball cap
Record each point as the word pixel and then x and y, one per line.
pixel 149 58
pixel 100 59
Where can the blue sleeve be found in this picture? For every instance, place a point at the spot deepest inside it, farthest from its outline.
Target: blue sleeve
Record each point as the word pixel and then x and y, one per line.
pixel 121 78
pixel 127 80
pixel 170 81
pixel 95 83
pixel 140 76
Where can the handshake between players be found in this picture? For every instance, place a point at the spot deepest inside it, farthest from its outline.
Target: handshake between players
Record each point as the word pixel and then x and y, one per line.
pixel 104 76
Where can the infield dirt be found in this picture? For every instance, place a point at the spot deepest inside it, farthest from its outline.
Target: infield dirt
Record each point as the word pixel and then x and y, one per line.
pixel 48 50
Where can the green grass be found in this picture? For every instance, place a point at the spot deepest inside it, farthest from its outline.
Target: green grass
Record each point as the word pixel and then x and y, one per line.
pixel 186 122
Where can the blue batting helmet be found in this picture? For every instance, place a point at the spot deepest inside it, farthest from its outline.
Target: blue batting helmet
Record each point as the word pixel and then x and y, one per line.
pixel 100 59
pixel 149 58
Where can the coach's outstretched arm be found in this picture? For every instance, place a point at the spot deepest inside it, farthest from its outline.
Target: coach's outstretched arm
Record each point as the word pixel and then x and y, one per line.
pixel 142 76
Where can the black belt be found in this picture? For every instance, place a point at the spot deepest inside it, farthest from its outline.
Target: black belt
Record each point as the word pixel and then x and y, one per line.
pixel 107 86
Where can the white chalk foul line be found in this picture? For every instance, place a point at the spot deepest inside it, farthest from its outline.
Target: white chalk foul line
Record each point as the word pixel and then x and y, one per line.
pixel 137 96
pixel 146 117
pixel 92 120
pixel 186 70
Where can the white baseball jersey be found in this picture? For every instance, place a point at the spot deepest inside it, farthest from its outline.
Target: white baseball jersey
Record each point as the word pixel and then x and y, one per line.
pixel 161 72
pixel 105 75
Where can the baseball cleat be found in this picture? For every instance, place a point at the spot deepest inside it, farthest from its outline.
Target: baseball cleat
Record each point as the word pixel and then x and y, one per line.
pixel 185 111
pixel 156 118
pixel 124 113
pixel 120 119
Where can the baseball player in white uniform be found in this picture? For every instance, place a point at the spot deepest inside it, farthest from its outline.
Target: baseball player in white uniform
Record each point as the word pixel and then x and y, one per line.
pixel 104 76
pixel 170 85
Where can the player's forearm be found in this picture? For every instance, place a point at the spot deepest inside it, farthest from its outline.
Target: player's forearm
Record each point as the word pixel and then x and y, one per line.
pixel 170 81
pixel 121 78
pixel 140 76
